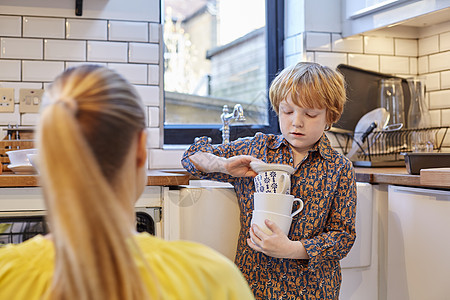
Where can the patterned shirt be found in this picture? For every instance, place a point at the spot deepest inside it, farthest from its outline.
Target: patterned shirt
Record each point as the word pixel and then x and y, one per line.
pixel 325 181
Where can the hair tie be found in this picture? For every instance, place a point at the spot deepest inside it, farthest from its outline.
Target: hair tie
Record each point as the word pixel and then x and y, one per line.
pixel 70 103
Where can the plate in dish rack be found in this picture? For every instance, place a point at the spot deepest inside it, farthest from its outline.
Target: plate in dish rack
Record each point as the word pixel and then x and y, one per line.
pixel 26 169
pixel 263 167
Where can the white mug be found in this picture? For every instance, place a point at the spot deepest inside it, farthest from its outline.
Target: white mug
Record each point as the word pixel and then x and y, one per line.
pixel 277 203
pixel 283 221
pixel 278 182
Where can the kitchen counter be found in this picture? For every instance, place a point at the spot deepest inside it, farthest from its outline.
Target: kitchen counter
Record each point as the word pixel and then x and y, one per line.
pixel 388 175
pixel 391 175
pixel 155 178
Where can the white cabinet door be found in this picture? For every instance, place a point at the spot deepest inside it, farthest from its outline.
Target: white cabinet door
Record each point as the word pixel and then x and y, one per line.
pixel 360 266
pixel 418 244
pixel 362 16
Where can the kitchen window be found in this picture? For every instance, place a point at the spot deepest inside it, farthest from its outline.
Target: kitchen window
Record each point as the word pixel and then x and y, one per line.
pixel 220 53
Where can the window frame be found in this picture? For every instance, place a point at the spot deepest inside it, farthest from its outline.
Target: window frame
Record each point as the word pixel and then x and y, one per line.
pixel 186 133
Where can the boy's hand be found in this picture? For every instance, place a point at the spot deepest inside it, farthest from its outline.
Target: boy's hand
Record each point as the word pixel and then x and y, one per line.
pixel 277 244
pixel 239 166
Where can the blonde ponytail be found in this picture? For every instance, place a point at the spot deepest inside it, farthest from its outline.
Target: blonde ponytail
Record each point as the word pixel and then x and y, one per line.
pixel 91 107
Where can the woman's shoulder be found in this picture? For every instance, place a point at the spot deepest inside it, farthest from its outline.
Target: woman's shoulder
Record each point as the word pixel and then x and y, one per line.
pixel 26 269
pixel 191 251
pixel 195 268
pixel 26 251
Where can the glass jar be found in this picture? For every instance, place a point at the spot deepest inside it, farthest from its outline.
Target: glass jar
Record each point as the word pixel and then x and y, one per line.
pixel 422 140
pixel 391 98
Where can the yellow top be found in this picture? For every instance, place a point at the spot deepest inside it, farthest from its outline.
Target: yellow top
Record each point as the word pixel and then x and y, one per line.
pixel 181 269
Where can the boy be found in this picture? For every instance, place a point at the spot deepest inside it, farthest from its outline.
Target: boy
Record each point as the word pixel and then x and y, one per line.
pixel 308 99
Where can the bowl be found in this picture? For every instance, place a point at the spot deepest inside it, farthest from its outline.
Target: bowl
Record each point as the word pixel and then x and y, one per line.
pixel 33 158
pixel 19 157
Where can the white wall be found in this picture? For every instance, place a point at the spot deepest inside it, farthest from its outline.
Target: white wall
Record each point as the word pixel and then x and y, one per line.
pixel 403 51
pixel 136 10
pixel 40 39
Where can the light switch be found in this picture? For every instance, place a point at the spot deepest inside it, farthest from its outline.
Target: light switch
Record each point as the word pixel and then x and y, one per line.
pixel 30 100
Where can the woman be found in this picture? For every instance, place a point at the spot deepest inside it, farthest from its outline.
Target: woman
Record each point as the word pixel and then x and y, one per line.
pixel 92 153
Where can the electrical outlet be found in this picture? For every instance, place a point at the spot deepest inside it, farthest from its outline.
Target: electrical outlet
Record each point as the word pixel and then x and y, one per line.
pixel 6 100
pixel 30 100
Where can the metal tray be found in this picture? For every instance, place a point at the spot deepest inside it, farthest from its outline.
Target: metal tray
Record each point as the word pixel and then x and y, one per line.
pixel 424 160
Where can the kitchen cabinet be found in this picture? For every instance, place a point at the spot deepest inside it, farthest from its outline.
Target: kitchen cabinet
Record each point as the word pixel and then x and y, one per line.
pixel 418 247
pixel 206 212
pixel 362 16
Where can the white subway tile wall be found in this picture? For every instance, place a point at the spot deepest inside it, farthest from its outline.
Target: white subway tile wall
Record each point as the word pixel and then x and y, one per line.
pixel 10 26
pixel 378 45
pixel 149 94
pixel 444 41
pixel 439 99
pixel 318 41
pixel 352 44
pixel 34 50
pixel 21 48
pixel 154 32
pixel 128 31
pixel 107 51
pixel 310 56
pixel 29 119
pixel 43 27
pixel 405 47
pixel 11 118
pixel 440 61
pixel 423 64
pixel 153 74
pixel 427 55
pixel 86 29
pixel 445 80
pixel 153 117
pixel 10 70
pixel 153 138
pixel 144 53
pixel 64 50
pixel 161 159
pixel 294 58
pixel 429 45
pixel 394 64
pixel 446 117
pixel 331 59
pixel 134 73
pixel 432 81
pixel 71 64
pixel 413 69
pixel 365 61
pixel 43 71
pixel 435 116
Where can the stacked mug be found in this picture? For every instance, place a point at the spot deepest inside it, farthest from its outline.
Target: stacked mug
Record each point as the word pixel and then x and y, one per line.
pixel 272 199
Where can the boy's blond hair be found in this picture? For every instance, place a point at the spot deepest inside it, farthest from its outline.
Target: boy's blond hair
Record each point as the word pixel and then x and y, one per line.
pixel 310 85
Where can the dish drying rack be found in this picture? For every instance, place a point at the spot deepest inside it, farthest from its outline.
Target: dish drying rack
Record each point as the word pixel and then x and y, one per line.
pixel 384 148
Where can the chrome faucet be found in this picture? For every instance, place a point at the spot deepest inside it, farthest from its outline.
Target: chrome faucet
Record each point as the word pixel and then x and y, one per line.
pixel 237 115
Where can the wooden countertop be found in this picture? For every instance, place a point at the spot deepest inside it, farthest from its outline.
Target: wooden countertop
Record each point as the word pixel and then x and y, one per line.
pixel 155 177
pixel 390 175
pixel 398 176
